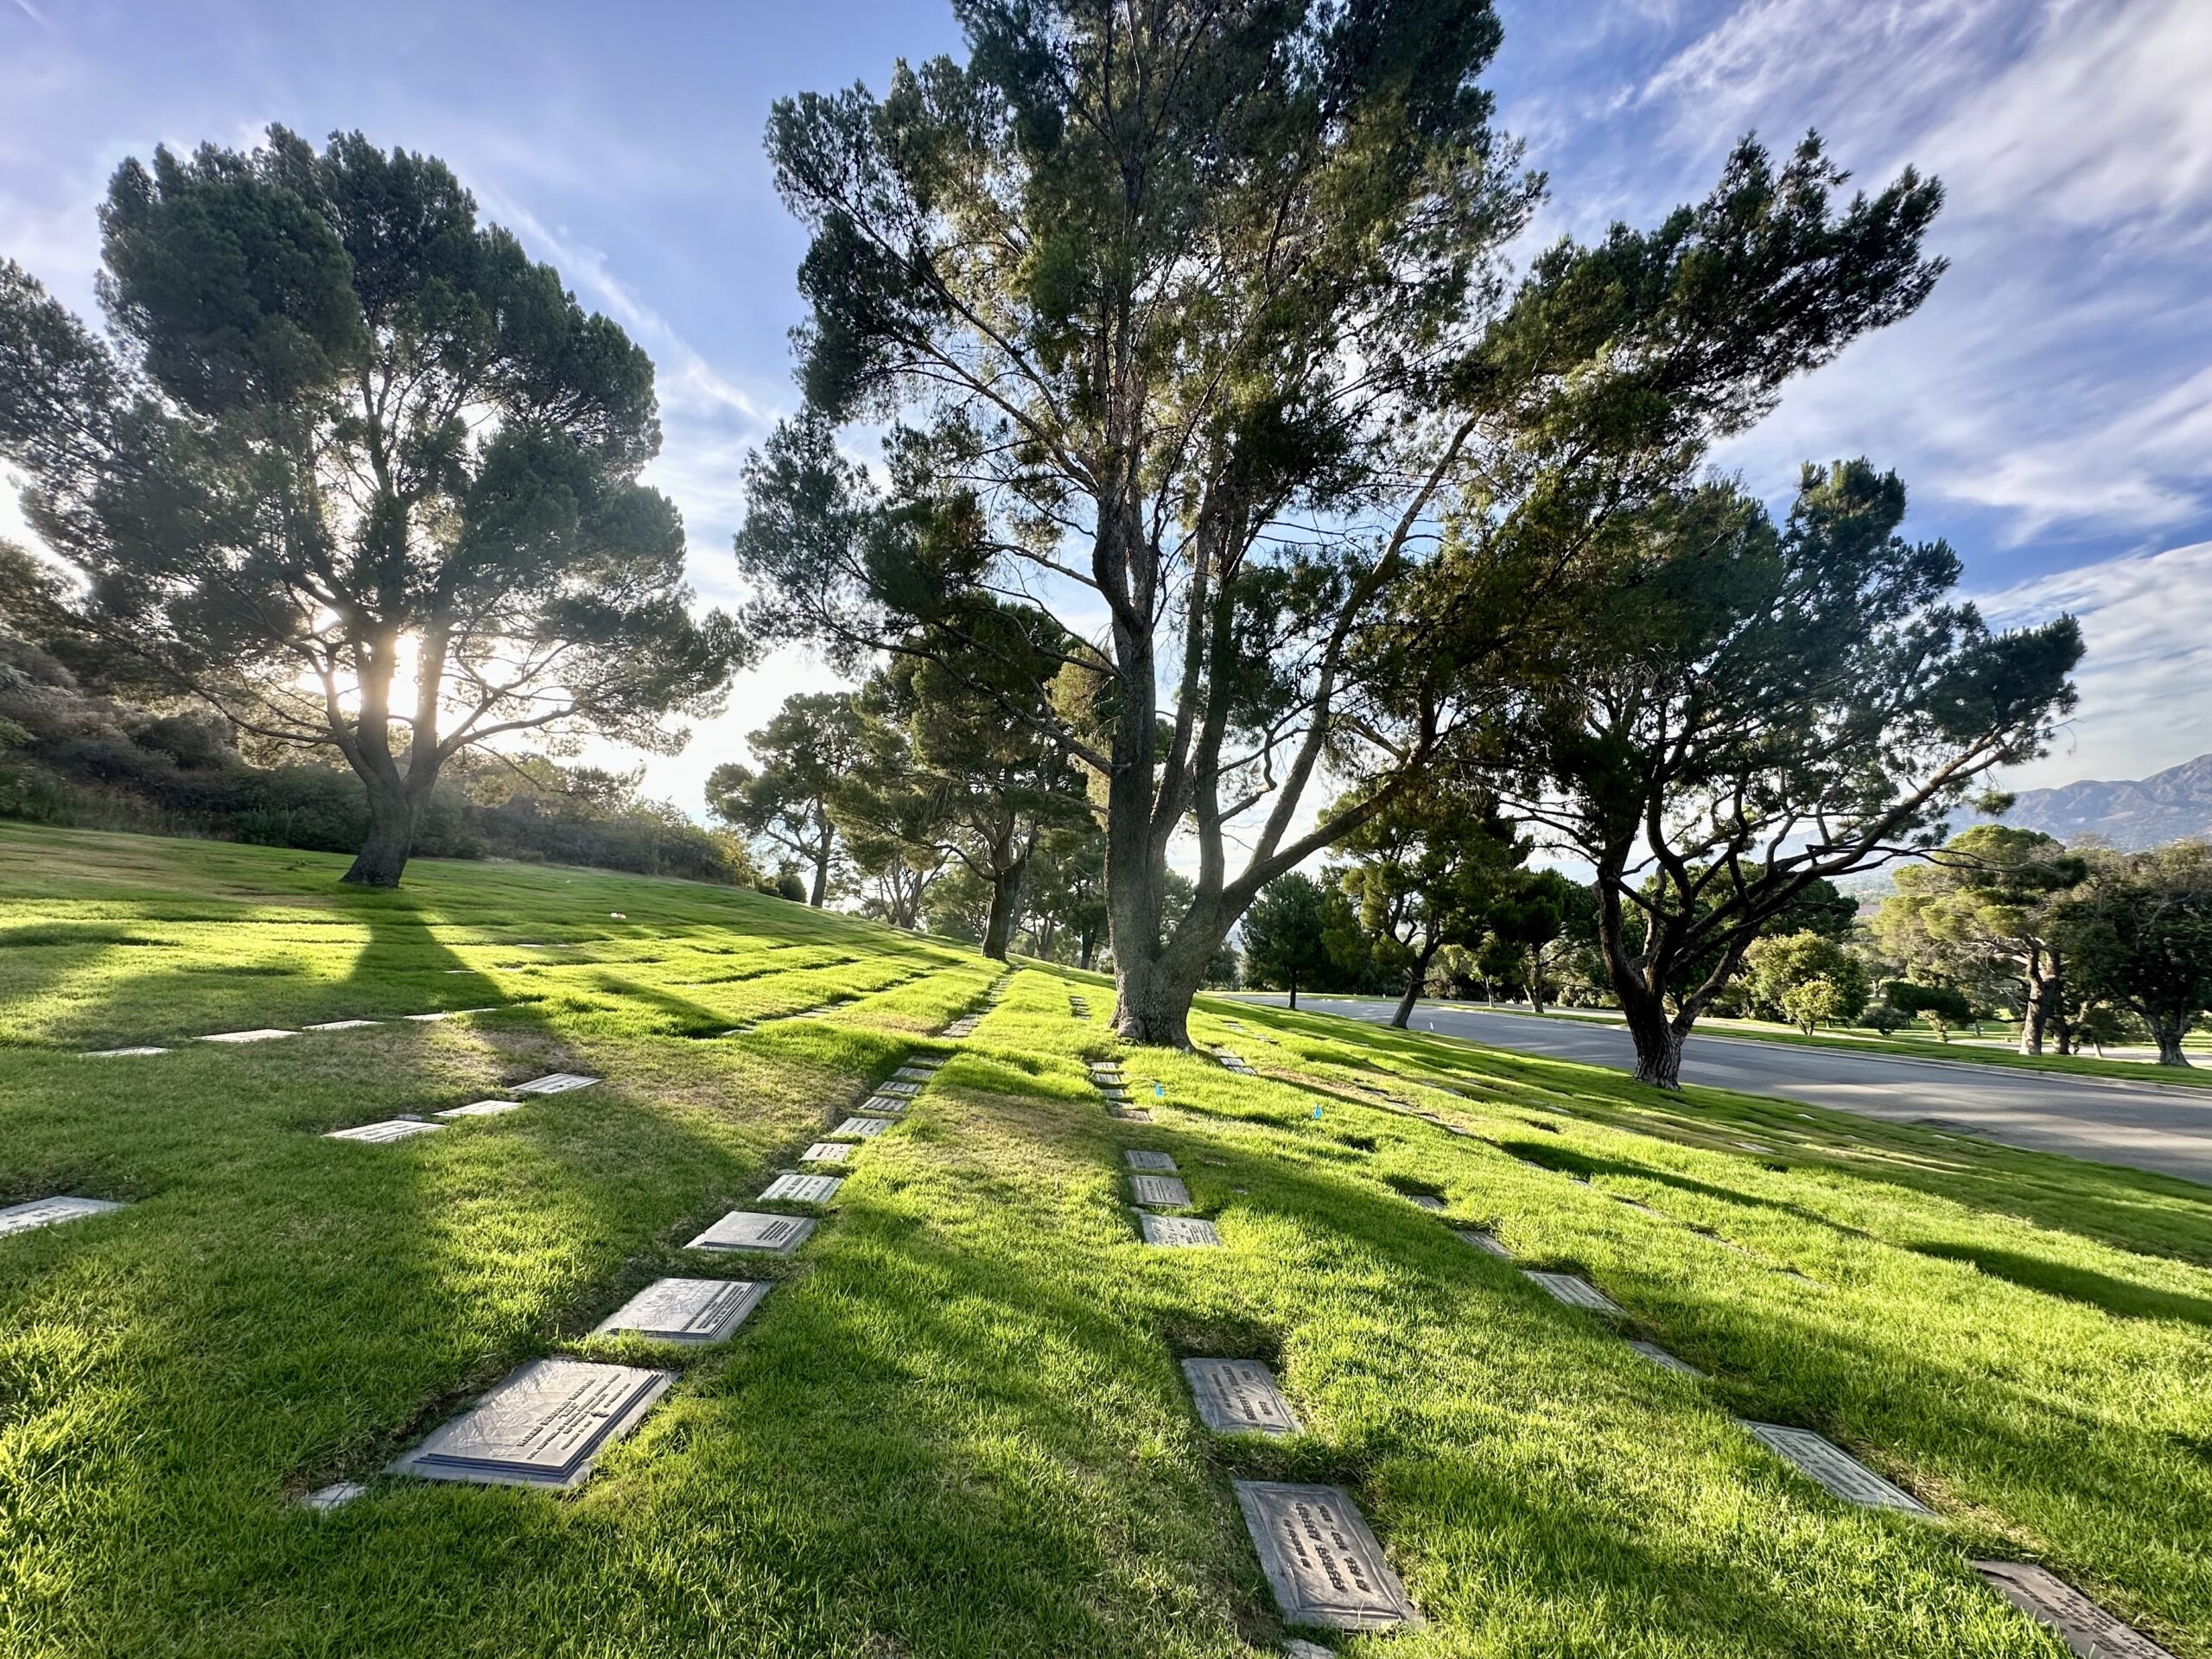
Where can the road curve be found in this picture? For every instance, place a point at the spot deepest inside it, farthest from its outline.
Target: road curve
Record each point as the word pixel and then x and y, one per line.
pixel 2167 1129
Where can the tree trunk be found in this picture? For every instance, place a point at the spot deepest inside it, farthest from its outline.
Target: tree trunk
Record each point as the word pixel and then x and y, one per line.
pixel 2167 1033
pixel 1658 1040
pixel 383 854
pixel 1293 992
pixel 1153 1001
pixel 1088 952
pixel 1414 985
pixel 2042 1004
pixel 1006 906
pixel 1535 982
pixel 820 894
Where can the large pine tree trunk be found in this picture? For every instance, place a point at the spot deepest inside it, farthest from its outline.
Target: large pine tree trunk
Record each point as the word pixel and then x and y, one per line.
pixel 1658 1040
pixel 382 857
pixel 1005 907
pixel 1402 1016
pixel 2167 1033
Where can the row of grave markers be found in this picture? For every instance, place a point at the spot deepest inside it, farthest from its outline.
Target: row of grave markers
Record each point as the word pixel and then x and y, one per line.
pixel 271 1033
pixel 1327 1568
pixel 547 1422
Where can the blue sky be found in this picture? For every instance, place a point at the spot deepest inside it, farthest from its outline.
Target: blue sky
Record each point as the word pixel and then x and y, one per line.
pixel 2050 407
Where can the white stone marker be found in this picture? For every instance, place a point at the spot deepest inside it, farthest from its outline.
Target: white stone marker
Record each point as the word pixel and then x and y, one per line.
pixel 1574 1291
pixel 123 1053
pixel 262 1034
pixel 1237 1396
pixel 1163 1191
pixel 47 1212
pixel 555 1083
pixel 828 1152
pixel 2086 1628
pixel 864 1128
pixel 1183 1231
pixel 1428 1201
pixel 754 1230
pixel 1159 1161
pixel 1665 1360
pixel 1321 1561
pixel 1132 1113
pixel 686 1310
pixel 907 1090
pixel 391 1129
pixel 883 1104
pixel 795 1188
pixel 1483 1242
pixel 338 1493
pixel 1824 1461
pixel 913 1074
pixel 544 1426
pixel 350 1025
pixel 481 1109
pixel 446 1013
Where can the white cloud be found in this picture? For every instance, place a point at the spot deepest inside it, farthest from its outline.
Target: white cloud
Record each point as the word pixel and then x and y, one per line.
pixel 2147 675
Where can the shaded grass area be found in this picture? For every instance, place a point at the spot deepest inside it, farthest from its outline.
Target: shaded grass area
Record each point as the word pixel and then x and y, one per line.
pixel 956 1427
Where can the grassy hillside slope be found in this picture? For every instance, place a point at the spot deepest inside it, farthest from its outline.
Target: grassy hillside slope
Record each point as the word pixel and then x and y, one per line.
pixel 957 1427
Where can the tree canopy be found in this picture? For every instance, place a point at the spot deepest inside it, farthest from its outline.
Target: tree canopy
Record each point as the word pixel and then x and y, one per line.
pixel 352 467
pixel 809 746
pixel 1732 709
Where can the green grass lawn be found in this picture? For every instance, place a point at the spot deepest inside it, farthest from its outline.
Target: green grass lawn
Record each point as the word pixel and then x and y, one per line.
pixel 957 1427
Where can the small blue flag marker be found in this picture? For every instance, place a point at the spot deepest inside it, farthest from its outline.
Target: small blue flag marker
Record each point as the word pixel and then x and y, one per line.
pixel 1159 1091
pixel 1316 1111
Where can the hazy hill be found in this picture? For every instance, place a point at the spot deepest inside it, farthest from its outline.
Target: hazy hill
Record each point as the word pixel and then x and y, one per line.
pixel 2140 813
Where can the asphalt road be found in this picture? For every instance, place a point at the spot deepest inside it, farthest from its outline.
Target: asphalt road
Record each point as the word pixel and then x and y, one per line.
pixel 2108 1120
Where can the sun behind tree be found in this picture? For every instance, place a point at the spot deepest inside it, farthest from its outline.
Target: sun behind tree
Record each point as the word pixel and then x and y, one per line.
pixel 354 469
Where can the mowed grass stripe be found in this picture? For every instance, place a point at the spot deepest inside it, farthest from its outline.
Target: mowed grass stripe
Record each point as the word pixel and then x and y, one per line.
pixel 957 1425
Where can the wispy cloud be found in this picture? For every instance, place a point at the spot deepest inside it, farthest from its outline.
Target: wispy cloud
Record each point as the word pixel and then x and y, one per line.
pixel 2147 675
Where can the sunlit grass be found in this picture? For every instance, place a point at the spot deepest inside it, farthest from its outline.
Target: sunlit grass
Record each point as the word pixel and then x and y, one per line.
pixel 956 1427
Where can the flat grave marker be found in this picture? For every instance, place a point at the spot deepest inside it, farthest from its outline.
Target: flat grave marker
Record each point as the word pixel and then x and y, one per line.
pixel 1428 1201
pixel 1323 1564
pixel 864 1128
pixel 2086 1628
pixel 1182 1233
pixel 1134 1113
pixel 1162 1191
pixel 791 1187
pixel 481 1109
pixel 385 1132
pixel 122 1054
pixel 828 1152
pixel 445 1013
pixel 1486 1243
pixel 755 1230
pixel 1294 1649
pixel 337 1495
pixel 1140 1160
pixel 686 1310
pixel 884 1103
pixel 50 1212
pixel 1665 1360
pixel 913 1074
pixel 349 1025
pixel 907 1090
pixel 1237 1396
pixel 1574 1291
pixel 260 1034
pixel 544 1426
pixel 555 1083
pixel 1822 1461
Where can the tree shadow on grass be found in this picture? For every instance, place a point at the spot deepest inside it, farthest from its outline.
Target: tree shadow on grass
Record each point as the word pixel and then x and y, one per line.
pixel 2076 1284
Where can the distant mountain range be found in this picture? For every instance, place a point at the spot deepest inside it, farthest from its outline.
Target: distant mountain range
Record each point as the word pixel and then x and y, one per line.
pixel 2165 806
